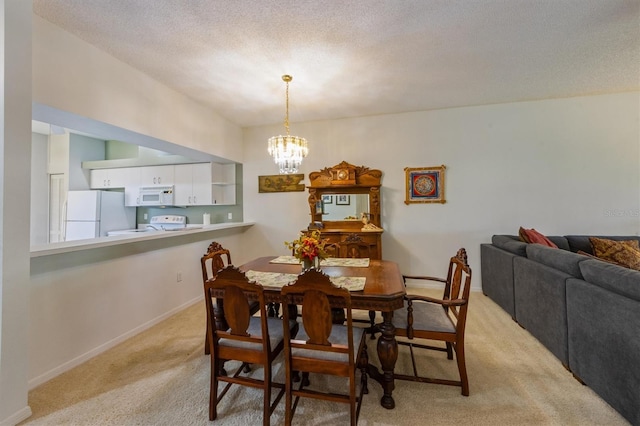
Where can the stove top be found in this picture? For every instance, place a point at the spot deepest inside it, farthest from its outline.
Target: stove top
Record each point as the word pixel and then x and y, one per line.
pixel 169 222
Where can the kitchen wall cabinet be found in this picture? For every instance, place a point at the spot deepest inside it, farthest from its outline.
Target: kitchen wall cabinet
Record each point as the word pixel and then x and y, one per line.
pixel 193 184
pixel 156 175
pixel 197 184
pixel 223 186
pixel 114 178
pixel 204 184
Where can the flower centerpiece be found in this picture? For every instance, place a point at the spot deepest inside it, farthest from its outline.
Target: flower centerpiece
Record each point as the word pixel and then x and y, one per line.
pixel 309 248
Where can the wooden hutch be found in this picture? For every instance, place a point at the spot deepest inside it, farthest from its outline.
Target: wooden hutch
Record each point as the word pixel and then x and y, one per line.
pixel 345 200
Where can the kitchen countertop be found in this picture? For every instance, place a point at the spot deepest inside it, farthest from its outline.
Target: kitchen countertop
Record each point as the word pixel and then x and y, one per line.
pixel 71 246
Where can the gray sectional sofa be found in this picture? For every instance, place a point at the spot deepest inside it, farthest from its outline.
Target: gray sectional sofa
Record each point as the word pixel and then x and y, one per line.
pixel 583 310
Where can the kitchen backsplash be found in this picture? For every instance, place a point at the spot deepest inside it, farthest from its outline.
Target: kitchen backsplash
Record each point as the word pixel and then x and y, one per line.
pixel 194 214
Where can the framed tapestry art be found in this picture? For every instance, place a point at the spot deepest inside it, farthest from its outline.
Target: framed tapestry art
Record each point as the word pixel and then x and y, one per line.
pixel 281 183
pixel 425 185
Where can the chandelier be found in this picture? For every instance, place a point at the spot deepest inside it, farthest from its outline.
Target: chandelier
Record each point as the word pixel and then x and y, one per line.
pixel 287 151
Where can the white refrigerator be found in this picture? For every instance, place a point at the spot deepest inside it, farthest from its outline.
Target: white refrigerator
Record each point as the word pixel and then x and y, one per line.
pixel 91 214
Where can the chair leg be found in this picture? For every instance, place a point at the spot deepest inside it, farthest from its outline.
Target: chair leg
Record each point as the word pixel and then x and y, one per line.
pixel 449 351
pixel 213 390
pixel 266 413
pixel 288 398
pixel 206 340
pixel 462 368
pixel 372 324
pixel 352 398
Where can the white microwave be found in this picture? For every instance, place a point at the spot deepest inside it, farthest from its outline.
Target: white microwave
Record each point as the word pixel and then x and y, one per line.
pixel 156 196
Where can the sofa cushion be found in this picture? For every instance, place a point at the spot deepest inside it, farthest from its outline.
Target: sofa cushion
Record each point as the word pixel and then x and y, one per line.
pixel 625 253
pixel 618 279
pixel 592 256
pixel 562 260
pixel 496 268
pixel 559 241
pixel 533 236
pixel 510 243
pixel 581 242
pixel 540 301
pixel 603 344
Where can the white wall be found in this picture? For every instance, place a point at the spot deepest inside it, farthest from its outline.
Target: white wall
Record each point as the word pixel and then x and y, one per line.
pixel 561 166
pixel 39 190
pixel 82 148
pixel 73 76
pixel 15 163
pixel 85 302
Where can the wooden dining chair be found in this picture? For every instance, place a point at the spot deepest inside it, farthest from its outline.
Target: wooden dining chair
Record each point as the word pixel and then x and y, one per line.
pixel 322 347
pixel 355 247
pixel 248 339
pixel 438 319
pixel 216 258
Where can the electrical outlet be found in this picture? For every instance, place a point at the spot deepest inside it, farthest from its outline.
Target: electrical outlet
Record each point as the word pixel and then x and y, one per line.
pixel 179 277
pixel 145 216
pixel 230 216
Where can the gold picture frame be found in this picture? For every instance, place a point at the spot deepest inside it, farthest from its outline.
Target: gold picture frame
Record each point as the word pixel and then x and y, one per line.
pixel 281 183
pixel 425 184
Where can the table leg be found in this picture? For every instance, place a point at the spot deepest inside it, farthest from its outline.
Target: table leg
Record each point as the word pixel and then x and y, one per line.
pixel 218 314
pixel 388 355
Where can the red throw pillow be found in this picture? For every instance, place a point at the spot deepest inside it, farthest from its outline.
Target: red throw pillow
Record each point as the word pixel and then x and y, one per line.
pixel 534 237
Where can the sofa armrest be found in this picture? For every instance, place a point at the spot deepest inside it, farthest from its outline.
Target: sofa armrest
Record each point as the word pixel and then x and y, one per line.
pixel 496 268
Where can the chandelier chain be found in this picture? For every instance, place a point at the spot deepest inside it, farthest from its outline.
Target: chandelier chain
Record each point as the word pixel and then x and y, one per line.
pixel 286 117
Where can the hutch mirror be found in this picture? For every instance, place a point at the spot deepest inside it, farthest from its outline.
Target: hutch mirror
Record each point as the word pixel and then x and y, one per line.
pixel 345 204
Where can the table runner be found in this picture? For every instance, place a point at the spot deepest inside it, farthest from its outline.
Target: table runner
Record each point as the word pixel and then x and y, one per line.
pixel 330 261
pixel 279 280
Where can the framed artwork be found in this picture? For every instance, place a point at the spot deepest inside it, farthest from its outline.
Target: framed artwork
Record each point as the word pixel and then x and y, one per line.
pixel 327 199
pixel 281 183
pixel 343 200
pixel 425 185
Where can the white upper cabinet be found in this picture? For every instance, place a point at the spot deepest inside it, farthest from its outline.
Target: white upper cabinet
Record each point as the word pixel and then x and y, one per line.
pixel 205 184
pixel 114 178
pixel 156 175
pixel 192 184
pixel 223 187
pixel 198 184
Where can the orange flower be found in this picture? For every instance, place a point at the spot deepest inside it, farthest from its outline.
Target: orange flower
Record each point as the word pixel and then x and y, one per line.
pixel 308 246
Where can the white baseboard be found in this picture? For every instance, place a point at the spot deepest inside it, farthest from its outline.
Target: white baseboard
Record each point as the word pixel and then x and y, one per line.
pixel 36 381
pixel 17 417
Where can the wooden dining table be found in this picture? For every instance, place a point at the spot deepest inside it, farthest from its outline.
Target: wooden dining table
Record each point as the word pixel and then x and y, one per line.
pixel 383 291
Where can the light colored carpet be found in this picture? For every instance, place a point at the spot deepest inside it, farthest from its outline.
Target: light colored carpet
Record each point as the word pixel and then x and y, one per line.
pixel 161 377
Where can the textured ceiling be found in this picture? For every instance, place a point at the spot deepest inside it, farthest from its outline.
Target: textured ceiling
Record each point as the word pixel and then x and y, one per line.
pixel 366 57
